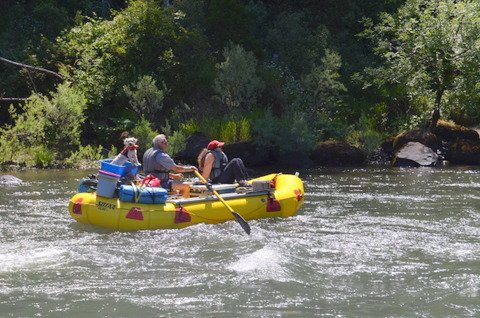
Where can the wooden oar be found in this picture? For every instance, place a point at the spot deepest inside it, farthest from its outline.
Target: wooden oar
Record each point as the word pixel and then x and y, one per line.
pixel 237 216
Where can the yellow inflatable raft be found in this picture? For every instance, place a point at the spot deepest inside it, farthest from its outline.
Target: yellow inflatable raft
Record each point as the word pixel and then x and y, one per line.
pixel 274 195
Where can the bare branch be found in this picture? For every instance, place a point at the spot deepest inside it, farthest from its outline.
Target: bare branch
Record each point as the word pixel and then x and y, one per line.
pixel 13 99
pixel 38 69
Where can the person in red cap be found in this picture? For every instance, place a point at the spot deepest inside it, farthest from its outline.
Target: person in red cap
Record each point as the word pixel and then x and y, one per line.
pixel 216 168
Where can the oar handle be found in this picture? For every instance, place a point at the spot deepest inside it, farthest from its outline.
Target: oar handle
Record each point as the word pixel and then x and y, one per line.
pixel 237 216
pixel 214 191
pixel 223 201
pixel 199 175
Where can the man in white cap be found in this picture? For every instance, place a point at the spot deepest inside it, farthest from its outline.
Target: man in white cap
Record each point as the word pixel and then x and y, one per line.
pixel 158 163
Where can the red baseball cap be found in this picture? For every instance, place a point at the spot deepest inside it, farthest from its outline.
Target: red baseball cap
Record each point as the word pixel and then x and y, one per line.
pixel 215 144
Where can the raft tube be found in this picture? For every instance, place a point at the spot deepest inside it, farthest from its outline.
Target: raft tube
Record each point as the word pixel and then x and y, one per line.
pixel 283 199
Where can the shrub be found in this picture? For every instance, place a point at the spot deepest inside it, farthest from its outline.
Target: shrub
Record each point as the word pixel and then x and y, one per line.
pixel 228 132
pixel 176 142
pixel 145 97
pixel 286 133
pixel 244 130
pixel 176 139
pixel 112 152
pixel 107 129
pixel 86 156
pixel 144 133
pixel 64 117
pixel 326 127
pixel 237 83
pixel 9 148
pixel 189 127
pixel 42 156
pixel 52 122
pixel 365 136
pixel 228 129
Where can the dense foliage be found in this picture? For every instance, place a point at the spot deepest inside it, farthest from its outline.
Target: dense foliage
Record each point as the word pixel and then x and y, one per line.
pixel 432 54
pixel 45 128
pixel 283 74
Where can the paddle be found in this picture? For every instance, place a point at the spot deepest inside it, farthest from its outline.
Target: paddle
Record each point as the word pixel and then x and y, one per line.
pixel 237 216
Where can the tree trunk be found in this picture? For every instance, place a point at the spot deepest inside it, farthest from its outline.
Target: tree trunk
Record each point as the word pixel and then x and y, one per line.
pixel 436 108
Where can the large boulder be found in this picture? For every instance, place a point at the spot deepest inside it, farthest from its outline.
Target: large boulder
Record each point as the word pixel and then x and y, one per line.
pixel 446 141
pixel 415 154
pixel 422 136
pixel 449 131
pixel 461 144
pixel 464 152
pixel 247 151
pixel 10 180
pixel 295 160
pixel 251 155
pixel 194 145
pixel 337 153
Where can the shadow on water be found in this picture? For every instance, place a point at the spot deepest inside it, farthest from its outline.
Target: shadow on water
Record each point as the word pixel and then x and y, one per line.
pixel 79 228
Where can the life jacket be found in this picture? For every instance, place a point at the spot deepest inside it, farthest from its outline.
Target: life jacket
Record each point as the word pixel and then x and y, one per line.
pixel 151 166
pixel 219 163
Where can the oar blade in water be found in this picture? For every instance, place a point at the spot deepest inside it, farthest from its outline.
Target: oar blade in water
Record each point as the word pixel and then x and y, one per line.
pixel 237 216
pixel 245 226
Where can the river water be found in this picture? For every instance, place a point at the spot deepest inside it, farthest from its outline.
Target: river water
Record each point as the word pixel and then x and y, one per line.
pixel 368 242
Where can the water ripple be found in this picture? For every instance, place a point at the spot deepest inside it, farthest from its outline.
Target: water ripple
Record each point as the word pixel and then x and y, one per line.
pixel 367 242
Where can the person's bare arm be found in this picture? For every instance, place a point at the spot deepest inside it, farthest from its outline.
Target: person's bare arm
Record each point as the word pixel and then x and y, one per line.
pixel 176 176
pixel 179 168
pixel 207 168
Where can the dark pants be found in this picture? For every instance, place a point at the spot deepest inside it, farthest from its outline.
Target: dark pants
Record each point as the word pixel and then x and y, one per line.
pixel 234 170
pixel 166 184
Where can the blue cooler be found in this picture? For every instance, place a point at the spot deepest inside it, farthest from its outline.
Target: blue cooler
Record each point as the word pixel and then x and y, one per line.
pixel 130 168
pixel 105 165
pixel 107 183
pixel 147 195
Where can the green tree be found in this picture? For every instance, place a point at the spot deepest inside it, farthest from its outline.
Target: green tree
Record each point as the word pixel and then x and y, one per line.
pixel 293 44
pixel 145 97
pixel 323 85
pixel 431 49
pixel 237 83
pixel 227 20
pixel 28 31
pixel 104 55
pixel 144 133
pixel 288 133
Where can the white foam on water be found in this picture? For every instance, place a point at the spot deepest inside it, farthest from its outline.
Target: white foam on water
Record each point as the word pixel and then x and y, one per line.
pixel 469 185
pixel 30 259
pixel 267 263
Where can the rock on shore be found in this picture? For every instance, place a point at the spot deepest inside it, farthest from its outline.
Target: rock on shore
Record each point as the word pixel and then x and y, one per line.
pixel 10 180
pixel 453 143
pixel 415 154
pixel 420 147
pixel 337 153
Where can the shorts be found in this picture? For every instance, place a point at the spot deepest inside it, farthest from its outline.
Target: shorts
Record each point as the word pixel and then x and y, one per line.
pixel 166 184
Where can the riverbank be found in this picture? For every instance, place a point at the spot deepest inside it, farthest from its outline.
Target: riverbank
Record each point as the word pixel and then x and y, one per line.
pixel 447 143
